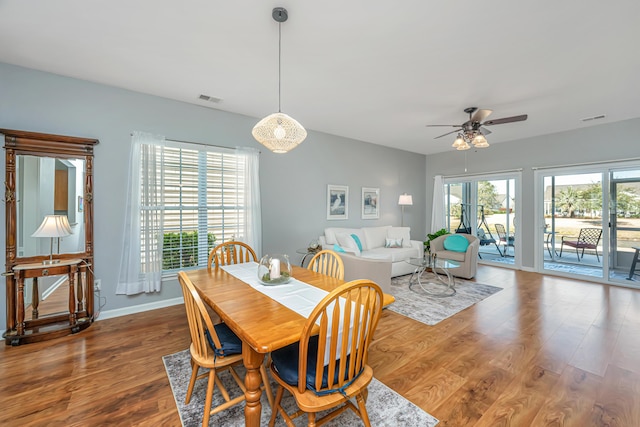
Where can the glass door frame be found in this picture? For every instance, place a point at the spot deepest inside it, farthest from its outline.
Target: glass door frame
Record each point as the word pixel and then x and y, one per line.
pixel 473 214
pixel 605 169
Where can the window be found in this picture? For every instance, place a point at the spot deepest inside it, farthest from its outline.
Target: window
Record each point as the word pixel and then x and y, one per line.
pixel 183 199
pixel 203 204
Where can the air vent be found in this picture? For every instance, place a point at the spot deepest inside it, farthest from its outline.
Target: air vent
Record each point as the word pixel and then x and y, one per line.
pixel 588 119
pixel 210 99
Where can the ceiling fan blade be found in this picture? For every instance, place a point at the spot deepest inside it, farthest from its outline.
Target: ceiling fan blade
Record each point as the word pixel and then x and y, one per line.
pixel 448 133
pixel 480 115
pixel 485 131
pixel 505 120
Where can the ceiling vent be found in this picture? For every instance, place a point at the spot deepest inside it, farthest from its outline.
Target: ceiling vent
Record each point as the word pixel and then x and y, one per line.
pixel 210 99
pixel 588 119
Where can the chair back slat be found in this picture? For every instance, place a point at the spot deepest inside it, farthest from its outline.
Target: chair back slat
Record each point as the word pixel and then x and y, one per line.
pixel 327 262
pixel 344 322
pixel 231 253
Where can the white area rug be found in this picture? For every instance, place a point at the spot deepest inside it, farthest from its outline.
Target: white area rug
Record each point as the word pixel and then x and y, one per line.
pixel 420 306
pixel 385 406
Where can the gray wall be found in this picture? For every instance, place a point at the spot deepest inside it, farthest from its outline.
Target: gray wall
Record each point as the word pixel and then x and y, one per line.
pixel 614 141
pixel 293 185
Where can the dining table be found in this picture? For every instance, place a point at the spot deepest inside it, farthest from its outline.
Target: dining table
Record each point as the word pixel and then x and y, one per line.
pixel 262 323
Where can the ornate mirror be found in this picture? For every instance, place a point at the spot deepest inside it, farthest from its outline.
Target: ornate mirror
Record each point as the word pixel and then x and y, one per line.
pixel 49 235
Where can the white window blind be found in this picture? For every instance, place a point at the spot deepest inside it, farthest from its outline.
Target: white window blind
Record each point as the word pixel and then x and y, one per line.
pixel 183 199
pixel 203 204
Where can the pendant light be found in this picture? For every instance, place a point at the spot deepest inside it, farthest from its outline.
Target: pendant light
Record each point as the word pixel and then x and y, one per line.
pixel 279 132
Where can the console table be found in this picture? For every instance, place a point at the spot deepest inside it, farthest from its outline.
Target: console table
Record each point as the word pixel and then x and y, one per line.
pixel 76 319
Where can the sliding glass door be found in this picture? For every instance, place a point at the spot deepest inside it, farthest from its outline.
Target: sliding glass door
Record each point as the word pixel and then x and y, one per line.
pixel 485 206
pixel 591 222
pixel 572 231
pixel 624 217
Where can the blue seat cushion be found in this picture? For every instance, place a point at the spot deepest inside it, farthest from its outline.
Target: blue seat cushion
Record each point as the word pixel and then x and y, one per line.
pixel 456 243
pixel 285 361
pixel 229 341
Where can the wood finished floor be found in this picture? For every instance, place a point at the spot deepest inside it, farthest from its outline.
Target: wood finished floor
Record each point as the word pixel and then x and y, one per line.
pixel 545 351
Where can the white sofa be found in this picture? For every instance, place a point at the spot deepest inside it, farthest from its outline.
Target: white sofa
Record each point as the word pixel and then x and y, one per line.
pixel 373 240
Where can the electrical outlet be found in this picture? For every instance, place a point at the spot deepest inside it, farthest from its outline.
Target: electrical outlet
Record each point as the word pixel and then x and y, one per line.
pixel 97 284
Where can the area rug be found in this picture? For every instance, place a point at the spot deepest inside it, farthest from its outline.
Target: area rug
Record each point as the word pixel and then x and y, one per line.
pixel 385 406
pixel 418 305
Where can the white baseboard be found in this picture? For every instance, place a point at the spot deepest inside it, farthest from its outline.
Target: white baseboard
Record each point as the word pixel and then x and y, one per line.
pixel 137 309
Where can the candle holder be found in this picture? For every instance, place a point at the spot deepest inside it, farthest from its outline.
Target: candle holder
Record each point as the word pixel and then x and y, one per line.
pixel 274 270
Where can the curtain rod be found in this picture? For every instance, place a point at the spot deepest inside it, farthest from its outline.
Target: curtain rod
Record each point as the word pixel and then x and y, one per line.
pixel 633 159
pixel 480 173
pixel 198 143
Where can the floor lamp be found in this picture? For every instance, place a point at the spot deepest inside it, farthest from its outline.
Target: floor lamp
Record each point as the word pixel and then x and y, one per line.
pixel 405 200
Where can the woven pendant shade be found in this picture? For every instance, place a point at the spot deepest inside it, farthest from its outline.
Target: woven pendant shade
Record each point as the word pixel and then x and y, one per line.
pixel 279 133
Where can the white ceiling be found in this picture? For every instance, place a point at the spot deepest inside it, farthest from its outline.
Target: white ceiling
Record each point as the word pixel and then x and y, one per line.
pixel 376 71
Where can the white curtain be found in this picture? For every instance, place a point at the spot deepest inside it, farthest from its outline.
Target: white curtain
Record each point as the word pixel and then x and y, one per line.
pixel 252 212
pixel 141 262
pixel 437 207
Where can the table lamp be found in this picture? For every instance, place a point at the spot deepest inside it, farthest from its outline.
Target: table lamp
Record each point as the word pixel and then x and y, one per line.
pixel 53 226
pixel 404 200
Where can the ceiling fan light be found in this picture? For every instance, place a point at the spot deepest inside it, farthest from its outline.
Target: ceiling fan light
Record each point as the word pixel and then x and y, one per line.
pixel 463 146
pixel 480 141
pixel 458 142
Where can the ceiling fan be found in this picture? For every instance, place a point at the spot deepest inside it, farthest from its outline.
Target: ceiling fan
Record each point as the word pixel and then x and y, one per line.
pixel 473 129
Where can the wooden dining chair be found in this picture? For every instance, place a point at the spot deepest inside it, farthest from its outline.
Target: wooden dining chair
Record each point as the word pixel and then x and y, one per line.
pixel 329 365
pixel 231 253
pixel 213 347
pixel 327 262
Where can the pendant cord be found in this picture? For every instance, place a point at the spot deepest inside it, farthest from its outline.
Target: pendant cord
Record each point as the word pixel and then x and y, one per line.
pixel 279 64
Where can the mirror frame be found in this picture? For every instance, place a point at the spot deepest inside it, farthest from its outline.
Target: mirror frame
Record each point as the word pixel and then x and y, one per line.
pixel 19 142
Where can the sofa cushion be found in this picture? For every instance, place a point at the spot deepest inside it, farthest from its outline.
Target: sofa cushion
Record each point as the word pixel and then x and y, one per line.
pixel 331 232
pixel 348 243
pixel 393 243
pixel 456 243
pixel 357 240
pixel 455 256
pixel 375 236
pixel 403 233
pixel 391 254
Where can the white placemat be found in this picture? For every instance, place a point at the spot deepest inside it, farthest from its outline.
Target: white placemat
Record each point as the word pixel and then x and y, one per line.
pixel 296 295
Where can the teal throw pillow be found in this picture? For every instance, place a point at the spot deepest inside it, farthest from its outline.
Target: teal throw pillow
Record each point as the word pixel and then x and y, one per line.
pixel 358 242
pixel 456 243
pixel 337 248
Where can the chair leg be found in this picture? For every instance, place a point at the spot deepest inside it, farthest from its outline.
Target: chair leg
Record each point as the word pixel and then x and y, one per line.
pixel 209 397
pixel 276 406
pixel 561 246
pixel 267 384
pixel 192 381
pixel 363 410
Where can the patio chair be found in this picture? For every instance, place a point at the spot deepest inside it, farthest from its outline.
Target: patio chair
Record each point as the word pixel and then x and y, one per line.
pixel 589 238
pixel 504 240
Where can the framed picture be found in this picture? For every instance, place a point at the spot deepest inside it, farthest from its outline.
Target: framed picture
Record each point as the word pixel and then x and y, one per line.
pixel 370 203
pixel 337 202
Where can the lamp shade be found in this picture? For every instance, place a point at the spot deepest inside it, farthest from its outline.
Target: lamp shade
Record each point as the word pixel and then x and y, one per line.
pixel 405 200
pixel 53 226
pixel 279 132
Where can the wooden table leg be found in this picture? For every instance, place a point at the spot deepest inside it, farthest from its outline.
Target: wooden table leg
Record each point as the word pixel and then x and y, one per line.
pixel 35 299
pixel 252 409
pixel 72 297
pixel 20 303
